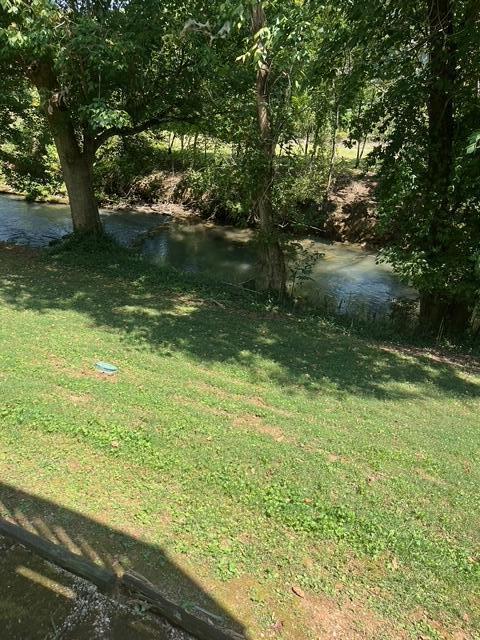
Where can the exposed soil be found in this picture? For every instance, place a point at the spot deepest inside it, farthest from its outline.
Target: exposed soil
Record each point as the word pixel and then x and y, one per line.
pixel 352 211
pixel 21 250
pixel 157 194
pixel 470 364
pixel 348 621
pixel 256 423
pixel 175 210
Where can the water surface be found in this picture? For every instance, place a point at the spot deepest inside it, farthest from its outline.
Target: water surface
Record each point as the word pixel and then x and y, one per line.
pixel 345 277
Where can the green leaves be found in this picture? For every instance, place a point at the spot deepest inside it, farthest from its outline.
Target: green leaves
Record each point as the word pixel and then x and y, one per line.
pixel 14 36
pixel 11 6
pixel 121 63
pixel 473 142
pixel 100 116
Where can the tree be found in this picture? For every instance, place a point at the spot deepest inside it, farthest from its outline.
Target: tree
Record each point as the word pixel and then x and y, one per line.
pixel 424 57
pixel 272 262
pixel 268 37
pixel 101 68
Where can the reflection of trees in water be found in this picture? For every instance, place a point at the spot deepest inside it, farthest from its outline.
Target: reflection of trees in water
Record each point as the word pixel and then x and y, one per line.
pixel 197 249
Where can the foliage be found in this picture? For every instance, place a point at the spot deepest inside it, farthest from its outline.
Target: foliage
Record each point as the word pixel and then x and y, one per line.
pixel 124 163
pixel 224 188
pixel 299 190
pixel 218 189
pixel 109 58
pixel 302 261
pixel 369 70
pixel 473 142
pixel 30 165
pixel 433 244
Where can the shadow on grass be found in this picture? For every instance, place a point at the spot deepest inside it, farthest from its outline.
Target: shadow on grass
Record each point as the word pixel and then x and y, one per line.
pixel 40 602
pixel 120 292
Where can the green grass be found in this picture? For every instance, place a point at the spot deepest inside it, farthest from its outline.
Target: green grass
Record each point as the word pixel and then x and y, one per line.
pixel 257 450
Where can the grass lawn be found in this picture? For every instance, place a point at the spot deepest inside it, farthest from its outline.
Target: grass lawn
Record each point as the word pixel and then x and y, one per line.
pixel 273 470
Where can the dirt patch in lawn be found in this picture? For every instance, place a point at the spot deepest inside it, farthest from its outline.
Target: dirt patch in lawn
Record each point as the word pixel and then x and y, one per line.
pixel 254 401
pixel 77 399
pixel 261 404
pixel 440 630
pixel 199 406
pixel 252 422
pixel 351 620
pixel 18 250
pixel 427 477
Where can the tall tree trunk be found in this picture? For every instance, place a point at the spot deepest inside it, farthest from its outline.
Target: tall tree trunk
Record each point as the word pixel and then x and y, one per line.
pixel 441 123
pixel 359 114
pixel 272 260
pixel 171 140
pixel 307 142
pixel 360 150
pixel 357 159
pixel 316 141
pixel 331 165
pixel 76 163
pixel 435 310
pixel 195 143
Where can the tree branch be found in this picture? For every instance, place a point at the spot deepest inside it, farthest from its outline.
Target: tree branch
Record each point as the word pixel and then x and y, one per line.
pixel 102 137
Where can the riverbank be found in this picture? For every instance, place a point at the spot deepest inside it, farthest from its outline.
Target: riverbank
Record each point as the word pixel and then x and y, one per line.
pixel 172 209
pixel 219 400
pixel 348 216
pixel 343 278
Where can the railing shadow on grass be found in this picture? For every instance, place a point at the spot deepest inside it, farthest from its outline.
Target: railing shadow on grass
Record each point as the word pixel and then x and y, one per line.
pixel 39 601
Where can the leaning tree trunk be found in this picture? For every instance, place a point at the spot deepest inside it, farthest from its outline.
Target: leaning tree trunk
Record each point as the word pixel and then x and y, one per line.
pixel 272 275
pixel 76 163
pixel 360 151
pixel 77 172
